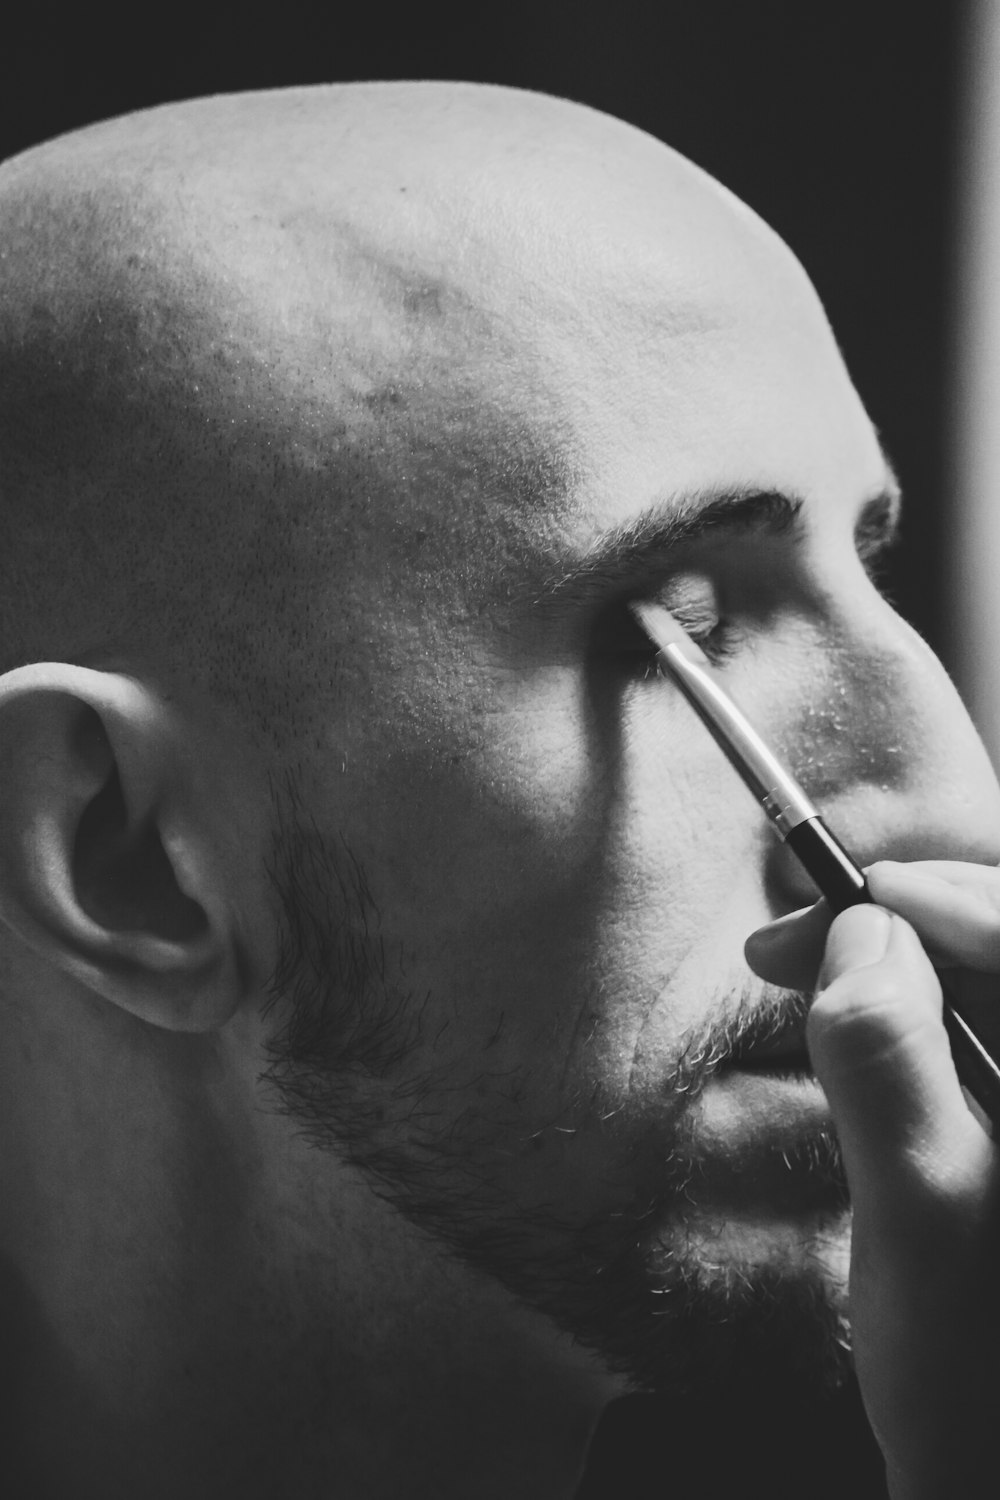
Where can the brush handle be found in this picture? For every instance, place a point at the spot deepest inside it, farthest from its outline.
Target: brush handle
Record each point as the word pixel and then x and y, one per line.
pixel 978 1070
pixel 824 857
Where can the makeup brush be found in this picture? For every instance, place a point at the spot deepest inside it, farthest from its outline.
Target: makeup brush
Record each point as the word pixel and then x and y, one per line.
pixel 798 823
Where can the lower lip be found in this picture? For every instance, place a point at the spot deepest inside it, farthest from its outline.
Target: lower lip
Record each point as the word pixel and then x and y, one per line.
pixel 749 1126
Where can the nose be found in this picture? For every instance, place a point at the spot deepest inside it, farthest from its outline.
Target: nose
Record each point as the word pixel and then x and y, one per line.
pixel 883 744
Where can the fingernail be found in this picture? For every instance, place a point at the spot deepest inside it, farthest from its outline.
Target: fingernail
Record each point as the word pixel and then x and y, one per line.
pixel 858 938
pixel 772 932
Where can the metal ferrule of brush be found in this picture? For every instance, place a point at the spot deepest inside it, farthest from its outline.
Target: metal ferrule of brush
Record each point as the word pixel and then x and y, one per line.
pixel 784 801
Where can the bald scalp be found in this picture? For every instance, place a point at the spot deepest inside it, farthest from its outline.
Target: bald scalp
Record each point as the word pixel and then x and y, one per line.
pixel 268 361
pixel 241 386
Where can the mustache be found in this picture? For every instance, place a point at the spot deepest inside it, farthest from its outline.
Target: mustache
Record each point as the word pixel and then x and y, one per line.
pixel 757 1016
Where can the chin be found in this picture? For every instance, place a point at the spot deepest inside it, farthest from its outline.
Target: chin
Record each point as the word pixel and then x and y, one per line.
pixel 739 1282
pixel 751 1266
pixel 744 1245
pixel 741 1302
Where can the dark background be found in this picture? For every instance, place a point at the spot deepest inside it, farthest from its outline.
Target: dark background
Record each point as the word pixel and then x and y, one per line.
pixel 837 122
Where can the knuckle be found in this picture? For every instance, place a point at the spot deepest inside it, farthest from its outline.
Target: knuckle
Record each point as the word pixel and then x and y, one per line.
pixel 865 1016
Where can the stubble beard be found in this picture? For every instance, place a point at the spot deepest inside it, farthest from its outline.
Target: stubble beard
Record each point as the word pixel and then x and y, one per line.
pixel 639 1285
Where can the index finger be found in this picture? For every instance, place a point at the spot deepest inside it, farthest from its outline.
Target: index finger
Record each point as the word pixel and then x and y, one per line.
pixel 954 907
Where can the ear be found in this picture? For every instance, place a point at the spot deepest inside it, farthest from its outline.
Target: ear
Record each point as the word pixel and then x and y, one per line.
pixel 114 863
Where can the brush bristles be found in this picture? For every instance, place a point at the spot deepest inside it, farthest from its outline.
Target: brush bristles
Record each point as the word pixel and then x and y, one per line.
pixel 663 630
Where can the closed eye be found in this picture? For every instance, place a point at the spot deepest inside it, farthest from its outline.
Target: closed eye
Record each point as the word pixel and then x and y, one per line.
pixel 876 534
pixel 620 638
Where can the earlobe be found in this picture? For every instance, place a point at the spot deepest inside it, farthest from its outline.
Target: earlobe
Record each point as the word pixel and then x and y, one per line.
pixel 109 867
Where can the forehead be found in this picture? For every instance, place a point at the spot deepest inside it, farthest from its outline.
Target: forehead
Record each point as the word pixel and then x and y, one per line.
pixel 534 296
pixel 612 343
pixel 495 330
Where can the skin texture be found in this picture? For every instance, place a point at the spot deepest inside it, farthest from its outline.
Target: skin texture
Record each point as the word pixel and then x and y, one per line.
pixel 367 898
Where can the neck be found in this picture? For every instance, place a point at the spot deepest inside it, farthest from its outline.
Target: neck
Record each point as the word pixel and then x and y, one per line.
pixel 224 1392
pixel 186 1314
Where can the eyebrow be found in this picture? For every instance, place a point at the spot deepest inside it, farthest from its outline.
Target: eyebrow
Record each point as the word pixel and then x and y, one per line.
pixel 638 553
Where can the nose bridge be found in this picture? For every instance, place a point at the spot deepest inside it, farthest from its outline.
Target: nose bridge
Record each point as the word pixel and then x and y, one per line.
pixel 882 742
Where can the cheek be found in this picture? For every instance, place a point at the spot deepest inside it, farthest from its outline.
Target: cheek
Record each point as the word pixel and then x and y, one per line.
pixel 493 780
pixel 550 874
pixel 559 948
pixel 557 918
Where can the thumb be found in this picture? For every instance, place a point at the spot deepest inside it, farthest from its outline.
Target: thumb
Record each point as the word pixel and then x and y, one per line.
pixel 881 1053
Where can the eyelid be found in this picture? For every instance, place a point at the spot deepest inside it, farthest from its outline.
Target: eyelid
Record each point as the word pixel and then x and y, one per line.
pixel 874 553
pixel 877 529
pixel 697 611
pixel 693 600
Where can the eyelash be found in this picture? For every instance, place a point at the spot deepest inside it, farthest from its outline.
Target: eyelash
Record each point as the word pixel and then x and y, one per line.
pixel 875 554
pixel 719 642
pixel 626 640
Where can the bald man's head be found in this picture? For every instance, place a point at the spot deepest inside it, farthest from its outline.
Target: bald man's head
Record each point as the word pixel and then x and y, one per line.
pixel 372 914
pixel 261 355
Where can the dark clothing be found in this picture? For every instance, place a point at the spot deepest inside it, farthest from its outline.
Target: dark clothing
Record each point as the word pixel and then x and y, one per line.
pixel 650 1449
